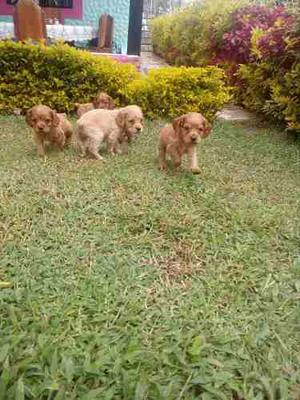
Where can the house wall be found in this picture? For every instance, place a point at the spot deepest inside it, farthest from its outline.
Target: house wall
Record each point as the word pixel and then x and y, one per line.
pixel 87 12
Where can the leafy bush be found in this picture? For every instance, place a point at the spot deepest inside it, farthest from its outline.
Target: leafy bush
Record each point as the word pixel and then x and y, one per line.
pixel 189 36
pixel 288 97
pixel 270 83
pixel 235 45
pixel 56 75
pixel 272 90
pixel 162 31
pixel 59 76
pixel 173 91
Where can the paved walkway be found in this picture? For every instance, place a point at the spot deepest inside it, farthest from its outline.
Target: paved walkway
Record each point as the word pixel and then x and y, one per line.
pixel 150 60
pixel 235 114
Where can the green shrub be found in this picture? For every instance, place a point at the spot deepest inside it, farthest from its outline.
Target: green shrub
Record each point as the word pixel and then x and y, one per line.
pixel 188 36
pixel 273 91
pixel 171 91
pixel 59 76
pixel 56 75
pixel 288 97
pixel 270 83
pixel 162 32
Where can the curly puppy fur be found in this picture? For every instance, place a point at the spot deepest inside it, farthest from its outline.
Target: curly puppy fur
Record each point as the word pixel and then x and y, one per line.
pixel 102 100
pixel 181 137
pixel 48 126
pixel 115 127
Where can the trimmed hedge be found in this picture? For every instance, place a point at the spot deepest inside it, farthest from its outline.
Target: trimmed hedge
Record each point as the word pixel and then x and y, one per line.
pixel 189 36
pixel 57 75
pixel 60 76
pixel 172 91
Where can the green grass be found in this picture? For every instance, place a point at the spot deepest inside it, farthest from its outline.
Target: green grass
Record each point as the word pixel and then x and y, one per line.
pixel 129 283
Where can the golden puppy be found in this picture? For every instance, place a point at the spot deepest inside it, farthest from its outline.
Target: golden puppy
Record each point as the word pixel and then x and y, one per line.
pixel 102 100
pixel 48 126
pixel 181 137
pixel 115 127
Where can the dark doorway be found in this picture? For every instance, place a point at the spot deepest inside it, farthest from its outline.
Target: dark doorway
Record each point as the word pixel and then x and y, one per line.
pixel 135 27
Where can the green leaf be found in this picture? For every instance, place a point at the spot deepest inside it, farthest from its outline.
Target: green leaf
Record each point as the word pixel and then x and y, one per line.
pixel 54 363
pixel 68 368
pixel 3 352
pixel 141 390
pixel 195 348
pixel 93 394
pixel 20 390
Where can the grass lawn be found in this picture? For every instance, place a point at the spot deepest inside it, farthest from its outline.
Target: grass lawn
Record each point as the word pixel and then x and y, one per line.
pixel 129 283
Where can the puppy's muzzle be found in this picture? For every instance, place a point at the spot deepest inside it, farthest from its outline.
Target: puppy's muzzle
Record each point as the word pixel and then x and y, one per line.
pixel 194 138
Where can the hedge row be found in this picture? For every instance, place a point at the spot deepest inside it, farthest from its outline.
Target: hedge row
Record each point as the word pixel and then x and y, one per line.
pixel 187 36
pixel 173 91
pixel 60 76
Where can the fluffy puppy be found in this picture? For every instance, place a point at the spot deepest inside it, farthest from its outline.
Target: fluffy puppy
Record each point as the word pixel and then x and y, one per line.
pixel 102 100
pixel 115 127
pixel 181 137
pixel 48 126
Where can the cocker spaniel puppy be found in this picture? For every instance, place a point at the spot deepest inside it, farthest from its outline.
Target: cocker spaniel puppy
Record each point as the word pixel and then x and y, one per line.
pixel 181 137
pixel 102 100
pixel 114 127
pixel 48 126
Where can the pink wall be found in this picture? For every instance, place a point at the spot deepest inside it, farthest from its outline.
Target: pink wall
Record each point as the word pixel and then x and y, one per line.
pixel 5 9
pixel 75 12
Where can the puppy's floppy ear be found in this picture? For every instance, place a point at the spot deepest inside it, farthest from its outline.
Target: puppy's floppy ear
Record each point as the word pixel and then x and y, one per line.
pixel 206 128
pixel 111 103
pixel 96 101
pixel 178 123
pixel 121 119
pixel 28 117
pixel 55 118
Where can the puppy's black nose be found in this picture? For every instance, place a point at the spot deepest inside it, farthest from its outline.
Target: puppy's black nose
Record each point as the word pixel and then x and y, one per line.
pixel 138 128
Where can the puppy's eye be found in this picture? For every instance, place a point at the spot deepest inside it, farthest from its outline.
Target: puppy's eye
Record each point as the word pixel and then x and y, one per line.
pixel 186 127
pixel 131 121
pixel 48 121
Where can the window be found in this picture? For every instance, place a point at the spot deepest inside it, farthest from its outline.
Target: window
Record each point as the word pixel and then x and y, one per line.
pixel 49 3
pixel 56 3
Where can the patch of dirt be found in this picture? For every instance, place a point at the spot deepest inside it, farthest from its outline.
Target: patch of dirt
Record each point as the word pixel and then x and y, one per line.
pixel 177 266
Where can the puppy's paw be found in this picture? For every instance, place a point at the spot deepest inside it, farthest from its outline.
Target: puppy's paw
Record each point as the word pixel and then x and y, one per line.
pixel 196 170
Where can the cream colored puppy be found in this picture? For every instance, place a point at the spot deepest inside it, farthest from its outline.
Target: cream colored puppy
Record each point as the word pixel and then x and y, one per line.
pixel 114 127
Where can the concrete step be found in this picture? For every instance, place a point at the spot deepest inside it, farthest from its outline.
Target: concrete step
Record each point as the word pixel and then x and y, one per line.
pixel 146 41
pixel 146 47
pixel 146 33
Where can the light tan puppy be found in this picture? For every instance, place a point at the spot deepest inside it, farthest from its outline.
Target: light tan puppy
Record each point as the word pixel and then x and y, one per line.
pixel 102 100
pixel 181 137
pixel 48 126
pixel 115 127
